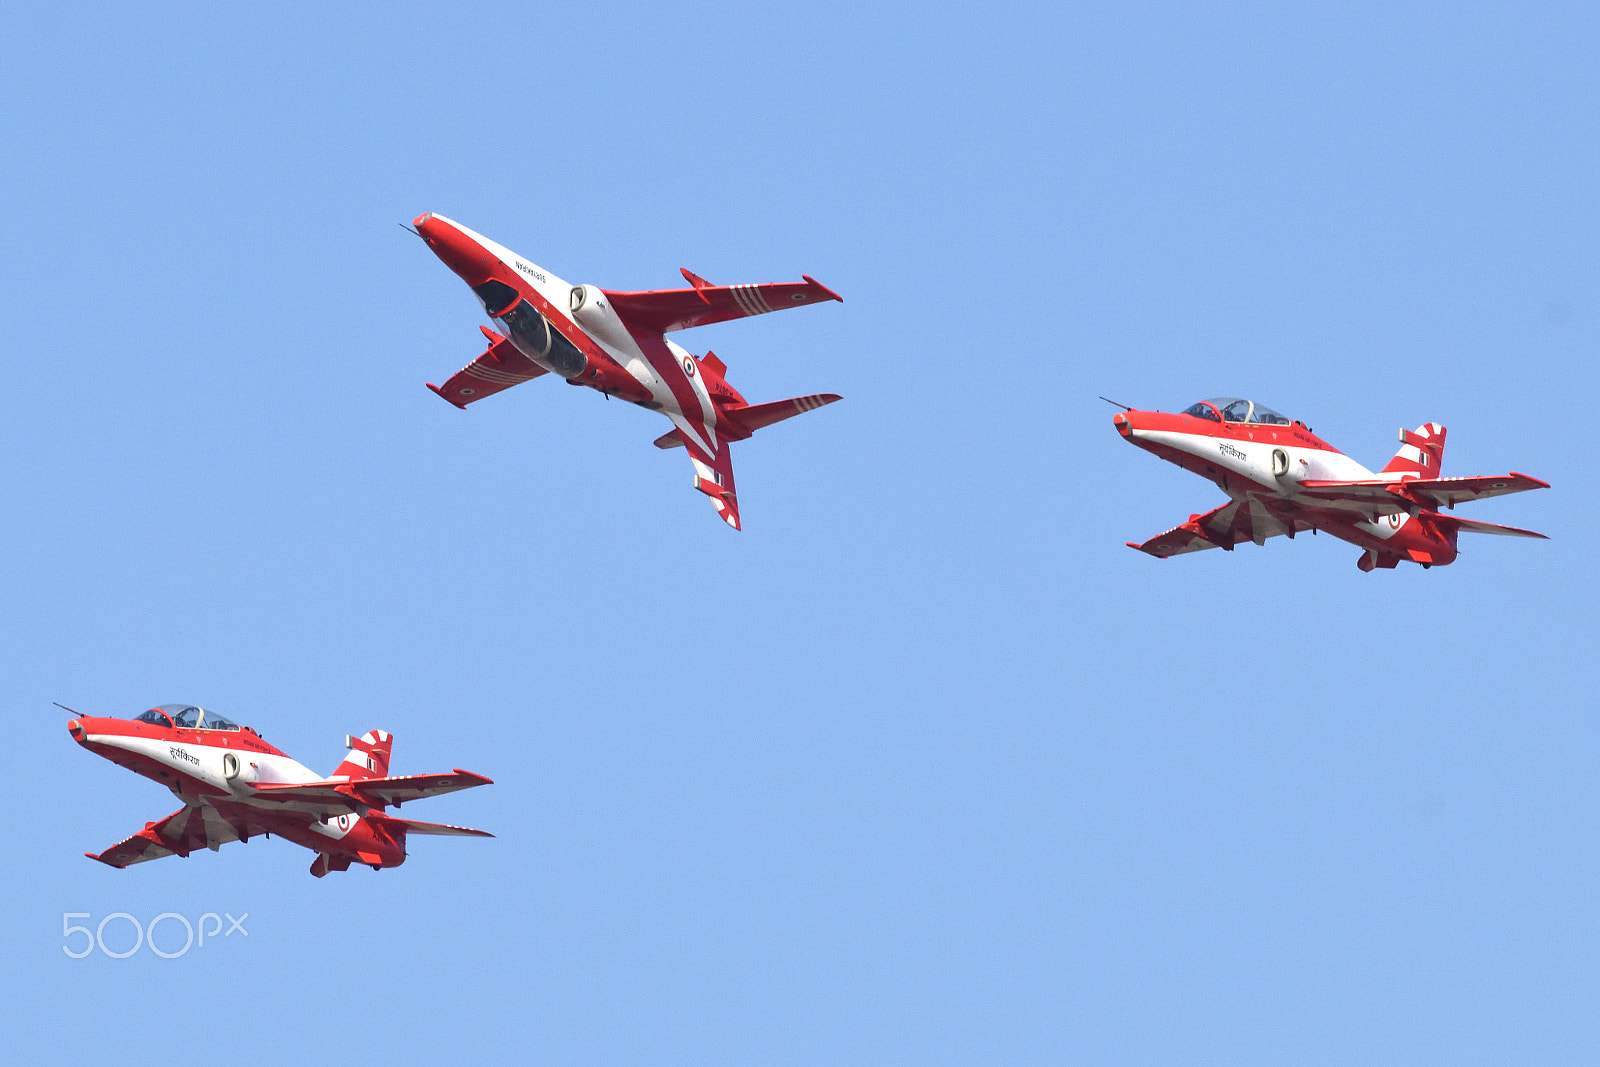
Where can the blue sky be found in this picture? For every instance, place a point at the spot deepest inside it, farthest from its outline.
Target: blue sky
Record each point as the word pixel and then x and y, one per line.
pixel 924 766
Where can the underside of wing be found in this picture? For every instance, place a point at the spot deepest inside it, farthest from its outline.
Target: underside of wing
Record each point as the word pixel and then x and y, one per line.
pixel 666 310
pixel 500 367
pixel 335 797
pixel 1231 524
pixel 194 826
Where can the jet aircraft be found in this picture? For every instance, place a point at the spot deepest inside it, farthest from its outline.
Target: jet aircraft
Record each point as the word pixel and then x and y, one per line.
pixel 235 786
pixel 615 342
pixel 1283 479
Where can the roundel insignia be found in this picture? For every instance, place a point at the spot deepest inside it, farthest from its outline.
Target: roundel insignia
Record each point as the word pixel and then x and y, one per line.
pixel 797 296
pixel 469 392
pixel 1394 520
pixel 688 365
pixel 1498 485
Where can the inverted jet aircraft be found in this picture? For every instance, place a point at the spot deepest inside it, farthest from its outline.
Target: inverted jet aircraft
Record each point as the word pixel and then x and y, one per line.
pixel 235 786
pixel 1283 479
pixel 615 342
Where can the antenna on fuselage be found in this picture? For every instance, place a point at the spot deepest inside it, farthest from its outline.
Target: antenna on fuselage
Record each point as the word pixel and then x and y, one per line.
pixel 410 229
pixel 64 708
pixel 1114 404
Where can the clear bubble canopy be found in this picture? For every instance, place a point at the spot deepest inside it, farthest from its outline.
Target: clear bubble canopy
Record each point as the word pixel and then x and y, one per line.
pixel 1233 409
pixel 187 716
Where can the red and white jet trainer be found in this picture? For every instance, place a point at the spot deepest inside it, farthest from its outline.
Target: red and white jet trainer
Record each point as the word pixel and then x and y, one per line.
pixel 615 342
pixel 1283 479
pixel 235 786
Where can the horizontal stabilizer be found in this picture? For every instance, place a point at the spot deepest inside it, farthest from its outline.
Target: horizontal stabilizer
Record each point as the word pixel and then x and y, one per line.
pixel 755 416
pixel 670 439
pixel 1473 526
pixel 437 829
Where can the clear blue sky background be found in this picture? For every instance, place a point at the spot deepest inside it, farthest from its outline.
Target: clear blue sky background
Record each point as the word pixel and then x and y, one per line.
pixel 924 766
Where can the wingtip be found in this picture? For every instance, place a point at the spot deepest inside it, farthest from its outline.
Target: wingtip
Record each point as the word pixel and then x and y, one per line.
pixel 447 400
pixel 818 285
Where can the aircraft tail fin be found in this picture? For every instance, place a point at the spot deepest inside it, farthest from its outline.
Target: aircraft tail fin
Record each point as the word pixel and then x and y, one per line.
pixel 368 757
pixel 1421 453
pixel 715 480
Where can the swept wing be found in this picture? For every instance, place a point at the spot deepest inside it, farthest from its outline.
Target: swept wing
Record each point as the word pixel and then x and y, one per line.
pixel 1231 524
pixel 191 827
pixel 499 367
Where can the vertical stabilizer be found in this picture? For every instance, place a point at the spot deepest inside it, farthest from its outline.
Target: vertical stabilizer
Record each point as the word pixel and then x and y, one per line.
pixel 1421 453
pixel 368 757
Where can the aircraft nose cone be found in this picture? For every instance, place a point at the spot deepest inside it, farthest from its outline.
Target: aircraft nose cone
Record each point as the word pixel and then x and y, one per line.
pixel 1123 423
pixel 457 251
pixel 75 728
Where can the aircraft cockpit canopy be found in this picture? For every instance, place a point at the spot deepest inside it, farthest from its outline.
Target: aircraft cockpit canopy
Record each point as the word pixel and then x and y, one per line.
pixel 1233 409
pixel 188 717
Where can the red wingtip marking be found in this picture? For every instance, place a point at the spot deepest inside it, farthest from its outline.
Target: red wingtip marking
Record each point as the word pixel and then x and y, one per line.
pixel 446 399
pixel 813 282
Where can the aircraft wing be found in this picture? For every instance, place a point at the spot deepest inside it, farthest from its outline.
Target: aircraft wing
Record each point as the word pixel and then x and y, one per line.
pixel 499 367
pixel 1231 524
pixel 666 310
pixel 192 827
pixel 1385 496
pixel 339 796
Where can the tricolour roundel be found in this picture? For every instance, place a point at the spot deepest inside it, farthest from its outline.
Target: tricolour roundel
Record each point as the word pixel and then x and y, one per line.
pixel 688 365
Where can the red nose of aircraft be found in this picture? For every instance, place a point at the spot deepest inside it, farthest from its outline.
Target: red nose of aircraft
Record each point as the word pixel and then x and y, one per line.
pixel 75 728
pixel 458 251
